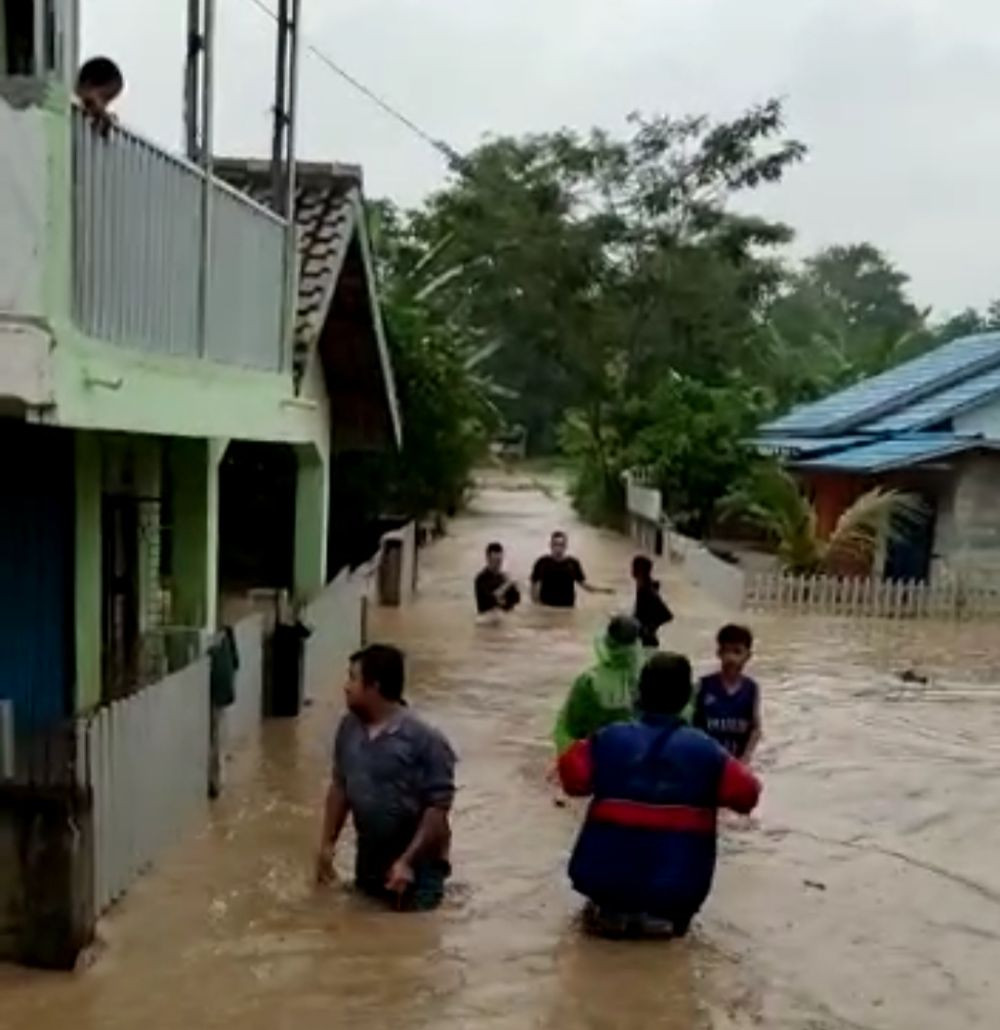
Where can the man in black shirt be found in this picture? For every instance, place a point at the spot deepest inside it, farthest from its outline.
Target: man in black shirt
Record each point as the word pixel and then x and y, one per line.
pixel 557 574
pixel 495 590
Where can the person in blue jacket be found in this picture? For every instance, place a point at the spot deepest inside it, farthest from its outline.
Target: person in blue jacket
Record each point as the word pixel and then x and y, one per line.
pixel 645 856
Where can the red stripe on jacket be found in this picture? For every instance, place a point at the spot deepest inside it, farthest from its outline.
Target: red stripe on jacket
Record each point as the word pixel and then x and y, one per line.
pixel 739 789
pixel 635 814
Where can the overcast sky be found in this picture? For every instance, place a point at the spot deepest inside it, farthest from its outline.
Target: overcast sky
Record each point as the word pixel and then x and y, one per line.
pixel 898 100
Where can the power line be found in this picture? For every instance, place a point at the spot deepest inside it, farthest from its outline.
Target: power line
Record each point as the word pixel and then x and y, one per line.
pixel 453 157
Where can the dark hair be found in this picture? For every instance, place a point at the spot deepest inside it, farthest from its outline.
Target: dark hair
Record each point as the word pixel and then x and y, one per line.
pixel 382 666
pixel 642 566
pixel 665 684
pixel 494 548
pixel 100 72
pixel 737 636
pixel 559 534
pixel 623 630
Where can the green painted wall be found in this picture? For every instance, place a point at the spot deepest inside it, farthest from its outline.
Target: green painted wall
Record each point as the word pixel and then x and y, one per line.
pixel 194 473
pixel 311 512
pixel 88 571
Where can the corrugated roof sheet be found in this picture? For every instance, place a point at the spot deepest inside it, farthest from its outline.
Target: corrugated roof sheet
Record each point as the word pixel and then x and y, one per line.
pixel 884 394
pixel 804 445
pixel 940 406
pixel 899 452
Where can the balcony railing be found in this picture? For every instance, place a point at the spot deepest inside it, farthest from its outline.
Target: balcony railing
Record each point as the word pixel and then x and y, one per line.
pixel 137 255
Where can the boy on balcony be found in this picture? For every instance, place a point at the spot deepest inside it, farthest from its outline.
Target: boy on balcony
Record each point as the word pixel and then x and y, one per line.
pixel 99 83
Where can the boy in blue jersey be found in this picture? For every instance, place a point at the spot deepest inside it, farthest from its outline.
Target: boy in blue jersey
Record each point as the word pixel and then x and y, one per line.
pixel 727 706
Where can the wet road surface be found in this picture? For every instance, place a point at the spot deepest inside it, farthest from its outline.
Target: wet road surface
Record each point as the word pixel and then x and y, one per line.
pixel 868 895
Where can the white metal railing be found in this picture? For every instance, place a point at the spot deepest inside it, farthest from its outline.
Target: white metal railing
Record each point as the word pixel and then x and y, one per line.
pixel 871 598
pixel 137 255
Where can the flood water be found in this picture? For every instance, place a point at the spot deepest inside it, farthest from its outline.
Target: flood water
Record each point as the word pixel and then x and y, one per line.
pixel 868 894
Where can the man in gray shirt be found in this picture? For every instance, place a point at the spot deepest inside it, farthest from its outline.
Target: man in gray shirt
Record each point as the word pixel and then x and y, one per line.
pixel 395 775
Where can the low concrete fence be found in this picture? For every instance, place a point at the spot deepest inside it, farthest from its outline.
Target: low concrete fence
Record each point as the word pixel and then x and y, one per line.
pixel 336 618
pixel 244 715
pixel 649 528
pixel 144 762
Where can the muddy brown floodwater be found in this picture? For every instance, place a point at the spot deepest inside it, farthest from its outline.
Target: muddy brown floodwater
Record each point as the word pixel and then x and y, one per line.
pixel 867 896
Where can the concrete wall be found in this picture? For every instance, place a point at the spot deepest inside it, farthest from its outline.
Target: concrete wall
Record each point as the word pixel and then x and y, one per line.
pixel 984 421
pixel 967 538
pixel 398 558
pixel 23 212
pixel 46 895
pixel 335 618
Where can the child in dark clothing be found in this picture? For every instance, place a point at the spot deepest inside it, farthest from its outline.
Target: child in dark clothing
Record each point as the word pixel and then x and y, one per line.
pixel 651 611
pixel 728 707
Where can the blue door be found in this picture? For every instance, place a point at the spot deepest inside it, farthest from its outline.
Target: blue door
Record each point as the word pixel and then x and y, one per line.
pixel 36 573
pixel 909 556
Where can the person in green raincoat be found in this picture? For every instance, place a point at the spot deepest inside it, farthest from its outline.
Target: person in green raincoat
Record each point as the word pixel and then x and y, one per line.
pixel 606 692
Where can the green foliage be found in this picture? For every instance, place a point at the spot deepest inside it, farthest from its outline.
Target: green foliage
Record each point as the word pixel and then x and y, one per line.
pixel 770 498
pixel 969 321
pixel 843 316
pixel 447 402
pixel 632 316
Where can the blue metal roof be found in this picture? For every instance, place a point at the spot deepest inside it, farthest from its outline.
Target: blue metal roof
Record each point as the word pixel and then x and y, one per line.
pixel 882 395
pixel 804 445
pixel 939 407
pixel 899 452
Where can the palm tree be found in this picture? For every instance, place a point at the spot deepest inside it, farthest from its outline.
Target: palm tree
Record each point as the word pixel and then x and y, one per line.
pixel 770 499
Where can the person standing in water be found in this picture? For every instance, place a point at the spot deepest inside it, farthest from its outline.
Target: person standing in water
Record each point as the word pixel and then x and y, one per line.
pixel 727 706
pixel 495 590
pixel 645 856
pixel 395 775
pixel 556 576
pixel 651 611
pixel 606 692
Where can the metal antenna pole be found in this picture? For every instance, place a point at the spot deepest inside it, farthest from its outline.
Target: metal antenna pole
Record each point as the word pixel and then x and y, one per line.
pixel 206 113
pixel 192 82
pixel 278 136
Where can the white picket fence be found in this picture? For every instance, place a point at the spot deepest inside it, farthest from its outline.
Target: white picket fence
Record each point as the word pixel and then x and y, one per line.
pixel 830 595
pixel 145 760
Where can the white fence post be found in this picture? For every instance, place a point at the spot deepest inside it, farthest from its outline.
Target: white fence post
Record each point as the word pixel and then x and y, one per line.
pixel 865 597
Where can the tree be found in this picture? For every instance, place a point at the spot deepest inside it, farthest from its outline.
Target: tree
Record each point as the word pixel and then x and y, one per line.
pixel 770 498
pixel 446 400
pixel 590 252
pixel 969 322
pixel 843 316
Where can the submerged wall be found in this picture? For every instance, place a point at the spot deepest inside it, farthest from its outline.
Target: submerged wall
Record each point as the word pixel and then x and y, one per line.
pixel 46 877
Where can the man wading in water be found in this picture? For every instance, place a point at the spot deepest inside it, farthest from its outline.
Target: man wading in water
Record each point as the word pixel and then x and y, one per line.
pixel 396 776
pixel 645 856
pixel 556 576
